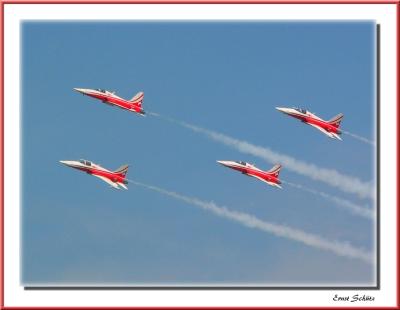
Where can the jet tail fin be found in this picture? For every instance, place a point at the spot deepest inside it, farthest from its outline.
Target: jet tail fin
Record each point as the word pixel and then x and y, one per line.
pixel 123 170
pixel 335 121
pixel 138 99
pixel 275 170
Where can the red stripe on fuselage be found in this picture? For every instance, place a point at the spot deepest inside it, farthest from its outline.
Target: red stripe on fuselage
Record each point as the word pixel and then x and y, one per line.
pixel 109 175
pixel 310 120
pixel 122 103
pixel 259 173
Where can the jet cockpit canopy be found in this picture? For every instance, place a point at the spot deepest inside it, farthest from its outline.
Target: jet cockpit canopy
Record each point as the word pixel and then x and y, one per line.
pixel 85 162
pixel 304 111
pixel 101 90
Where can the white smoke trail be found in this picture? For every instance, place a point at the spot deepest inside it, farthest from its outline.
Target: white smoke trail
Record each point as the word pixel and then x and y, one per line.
pixel 331 177
pixel 339 248
pixel 153 113
pixel 359 137
pixel 348 205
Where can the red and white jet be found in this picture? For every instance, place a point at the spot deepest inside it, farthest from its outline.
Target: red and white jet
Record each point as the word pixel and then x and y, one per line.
pixel 330 128
pixel 270 177
pixel 134 105
pixel 115 178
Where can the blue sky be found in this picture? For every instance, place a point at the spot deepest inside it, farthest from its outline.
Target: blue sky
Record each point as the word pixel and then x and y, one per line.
pixel 223 76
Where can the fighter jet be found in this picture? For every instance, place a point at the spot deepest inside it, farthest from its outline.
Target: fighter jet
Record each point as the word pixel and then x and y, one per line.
pixel 270 177
pixel 134 105
pixel 116 179
pixel 330 128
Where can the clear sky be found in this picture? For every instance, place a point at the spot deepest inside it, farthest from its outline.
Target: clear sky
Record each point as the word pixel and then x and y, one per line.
pixel 223 76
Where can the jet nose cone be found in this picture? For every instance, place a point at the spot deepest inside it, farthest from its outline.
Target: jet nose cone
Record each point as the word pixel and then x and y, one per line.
pixel 80 90
pixel 284 110
pixel 223 162
pixel 65 162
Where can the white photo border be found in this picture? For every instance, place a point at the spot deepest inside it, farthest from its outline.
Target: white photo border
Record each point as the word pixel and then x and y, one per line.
pixel 14 293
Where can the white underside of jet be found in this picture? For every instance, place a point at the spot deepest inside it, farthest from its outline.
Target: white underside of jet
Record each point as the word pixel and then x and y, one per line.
pixel 265 181
pixel 329 134
pixel 113 184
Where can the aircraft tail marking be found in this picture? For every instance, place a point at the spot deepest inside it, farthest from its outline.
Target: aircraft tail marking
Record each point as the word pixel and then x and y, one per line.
pixel 335 121
pixel 123 170
pixel 138 99
pixel 275 170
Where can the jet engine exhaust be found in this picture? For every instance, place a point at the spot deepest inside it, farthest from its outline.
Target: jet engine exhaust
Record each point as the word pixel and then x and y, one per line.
pixel 365 140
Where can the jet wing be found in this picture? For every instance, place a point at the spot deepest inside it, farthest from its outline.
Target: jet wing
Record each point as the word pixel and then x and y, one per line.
pixel 321 129
pixel 336 136
pixel 107 181
pixel 122 185
pixel 261 179
pixel 329 134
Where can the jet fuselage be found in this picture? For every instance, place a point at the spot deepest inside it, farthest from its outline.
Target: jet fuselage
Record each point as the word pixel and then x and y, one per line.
pixel 270 178
pixel 110 98
pixel 114 178
pixel 327 127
